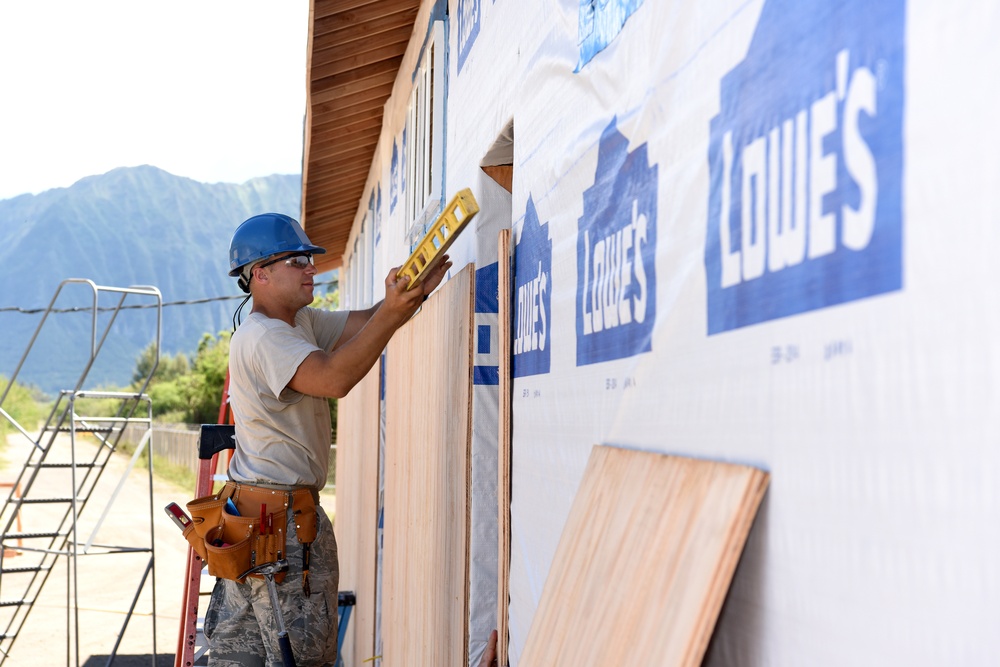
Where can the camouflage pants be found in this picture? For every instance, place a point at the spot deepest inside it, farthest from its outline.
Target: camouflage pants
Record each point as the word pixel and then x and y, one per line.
pixel 241 628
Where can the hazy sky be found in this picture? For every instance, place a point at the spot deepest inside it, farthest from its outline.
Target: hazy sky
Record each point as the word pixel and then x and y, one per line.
pixel 209 89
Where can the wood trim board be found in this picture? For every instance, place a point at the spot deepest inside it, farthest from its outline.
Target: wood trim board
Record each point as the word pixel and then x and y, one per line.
pixel 356 519
pixel 644 561
pixel 505 295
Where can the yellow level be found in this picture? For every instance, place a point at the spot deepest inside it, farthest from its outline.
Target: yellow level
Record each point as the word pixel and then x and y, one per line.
pixel 439 237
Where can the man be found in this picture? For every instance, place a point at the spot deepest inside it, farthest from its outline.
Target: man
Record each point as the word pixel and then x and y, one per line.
pixel 285 360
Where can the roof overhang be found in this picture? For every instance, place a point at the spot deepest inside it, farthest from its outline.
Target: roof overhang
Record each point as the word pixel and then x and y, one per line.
pixel 354 53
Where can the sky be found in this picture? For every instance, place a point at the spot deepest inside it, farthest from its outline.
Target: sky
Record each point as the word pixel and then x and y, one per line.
pixel 213 90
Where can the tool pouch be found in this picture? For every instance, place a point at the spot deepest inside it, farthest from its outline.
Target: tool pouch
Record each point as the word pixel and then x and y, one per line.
pixel 206 516
pixel 230 545
pixel 305 522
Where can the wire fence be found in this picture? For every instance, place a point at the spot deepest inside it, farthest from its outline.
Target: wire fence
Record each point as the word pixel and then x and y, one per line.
pixel 178 445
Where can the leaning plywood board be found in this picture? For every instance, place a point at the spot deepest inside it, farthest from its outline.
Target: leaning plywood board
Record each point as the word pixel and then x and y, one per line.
pixel 503 444
pixel 644 561
pixel 428 383
pixel 356 512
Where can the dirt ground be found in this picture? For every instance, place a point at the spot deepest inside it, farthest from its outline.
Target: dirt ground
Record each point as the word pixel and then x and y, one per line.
pixel 107 583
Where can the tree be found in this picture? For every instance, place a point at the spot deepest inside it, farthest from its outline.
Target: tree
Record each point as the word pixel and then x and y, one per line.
pixel 207 376
pixel 186 391
pixel 25 404
pixel 169 368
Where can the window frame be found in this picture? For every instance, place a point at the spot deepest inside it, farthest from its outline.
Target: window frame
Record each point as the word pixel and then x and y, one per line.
pixel 424 157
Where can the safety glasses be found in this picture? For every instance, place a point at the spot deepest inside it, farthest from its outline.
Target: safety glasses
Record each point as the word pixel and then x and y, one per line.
pixel 299 260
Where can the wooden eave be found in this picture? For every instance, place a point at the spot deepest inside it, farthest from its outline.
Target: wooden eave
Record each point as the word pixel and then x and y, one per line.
pixel 355 50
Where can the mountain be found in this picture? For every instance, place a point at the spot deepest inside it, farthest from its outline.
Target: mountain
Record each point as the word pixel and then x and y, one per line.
pixel 130 226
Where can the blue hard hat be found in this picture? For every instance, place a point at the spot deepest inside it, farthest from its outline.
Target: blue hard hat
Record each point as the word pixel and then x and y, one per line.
pixel 265 235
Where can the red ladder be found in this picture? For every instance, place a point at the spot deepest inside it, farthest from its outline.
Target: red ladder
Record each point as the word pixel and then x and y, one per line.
pixel 188 636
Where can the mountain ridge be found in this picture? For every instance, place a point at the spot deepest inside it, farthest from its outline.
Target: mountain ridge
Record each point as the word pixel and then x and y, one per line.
pixel 129 226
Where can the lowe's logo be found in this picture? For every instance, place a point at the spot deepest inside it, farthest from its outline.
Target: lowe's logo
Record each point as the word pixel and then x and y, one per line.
pixel 600 21
pixel 615 256
pixel 805 161
pixel 533 297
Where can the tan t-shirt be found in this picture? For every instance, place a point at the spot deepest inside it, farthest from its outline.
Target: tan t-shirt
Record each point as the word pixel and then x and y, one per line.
pixel 282 436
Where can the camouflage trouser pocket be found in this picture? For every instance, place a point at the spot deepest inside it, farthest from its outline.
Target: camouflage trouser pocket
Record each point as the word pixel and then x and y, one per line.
pixel 231 628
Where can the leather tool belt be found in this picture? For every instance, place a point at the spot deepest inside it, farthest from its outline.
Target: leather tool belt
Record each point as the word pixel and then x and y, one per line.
pixel 233 544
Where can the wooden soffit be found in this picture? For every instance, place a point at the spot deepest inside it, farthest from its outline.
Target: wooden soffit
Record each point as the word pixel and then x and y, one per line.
pixel 355 50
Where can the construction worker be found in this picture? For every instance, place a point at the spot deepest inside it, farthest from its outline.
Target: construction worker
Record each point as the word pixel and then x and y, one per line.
pixel 285 361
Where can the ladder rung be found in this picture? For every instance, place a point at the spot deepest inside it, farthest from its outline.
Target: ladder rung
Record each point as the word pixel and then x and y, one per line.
pixel 29 536
pixel 47 501
pixel 63 465
pixel 84 429
pixel 23 570
pixel 14 603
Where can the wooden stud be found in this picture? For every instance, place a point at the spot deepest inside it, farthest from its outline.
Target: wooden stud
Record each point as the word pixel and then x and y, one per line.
pixel 357 510
pixel 503 174
pixel 504 282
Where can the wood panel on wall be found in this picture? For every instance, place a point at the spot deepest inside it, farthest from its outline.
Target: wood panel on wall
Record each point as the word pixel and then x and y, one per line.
pixel 356 520
pixel 425 570
pixel 644 561
pixel 504 295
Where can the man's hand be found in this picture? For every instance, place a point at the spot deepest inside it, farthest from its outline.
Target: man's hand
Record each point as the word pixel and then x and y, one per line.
pixel 402 303
pixel 399 302
pixel 435 277
pixel 489 658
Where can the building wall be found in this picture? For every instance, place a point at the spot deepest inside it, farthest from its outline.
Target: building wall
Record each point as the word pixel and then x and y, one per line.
pixel 752 231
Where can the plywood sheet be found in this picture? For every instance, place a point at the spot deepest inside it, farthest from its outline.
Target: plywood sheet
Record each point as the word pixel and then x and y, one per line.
pixel 428 437
pixel 356 521
pixel 504 293
pixel 644 561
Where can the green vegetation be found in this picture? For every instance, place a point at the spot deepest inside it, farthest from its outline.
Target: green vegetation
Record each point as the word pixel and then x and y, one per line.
pixel 183 391
pixel 27 405
pixel 327 301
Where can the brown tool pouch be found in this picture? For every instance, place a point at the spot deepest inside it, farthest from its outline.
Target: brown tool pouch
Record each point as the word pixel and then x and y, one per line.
pixel 206 515
pixel 230 545
pixel 305 518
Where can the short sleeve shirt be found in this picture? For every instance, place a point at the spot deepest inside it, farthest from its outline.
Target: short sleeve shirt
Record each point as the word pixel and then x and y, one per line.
pixel 282 436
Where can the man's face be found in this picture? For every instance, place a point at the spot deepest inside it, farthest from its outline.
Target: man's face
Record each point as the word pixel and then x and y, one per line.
pixel 291 277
